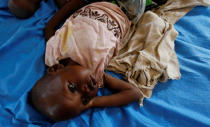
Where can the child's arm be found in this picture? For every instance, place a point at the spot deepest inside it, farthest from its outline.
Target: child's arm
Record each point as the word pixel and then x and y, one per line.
pixel 126 93
pixel 61 16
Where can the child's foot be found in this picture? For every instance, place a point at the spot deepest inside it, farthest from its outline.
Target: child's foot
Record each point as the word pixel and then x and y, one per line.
pixel 60 3
pixel 23 8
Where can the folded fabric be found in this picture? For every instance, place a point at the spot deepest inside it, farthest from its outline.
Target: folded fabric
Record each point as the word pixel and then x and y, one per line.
pixel 149 56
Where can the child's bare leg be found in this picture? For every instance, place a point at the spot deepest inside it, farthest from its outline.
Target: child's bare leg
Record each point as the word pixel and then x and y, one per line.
pixel 61 3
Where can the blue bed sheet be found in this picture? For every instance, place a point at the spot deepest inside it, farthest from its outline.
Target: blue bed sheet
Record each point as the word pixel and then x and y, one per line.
pixel 177 103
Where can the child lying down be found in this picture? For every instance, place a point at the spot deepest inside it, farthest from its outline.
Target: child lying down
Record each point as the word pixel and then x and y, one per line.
pixel 77 55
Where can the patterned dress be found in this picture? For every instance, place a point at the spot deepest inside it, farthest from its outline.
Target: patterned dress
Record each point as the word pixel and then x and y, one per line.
pixel 90 37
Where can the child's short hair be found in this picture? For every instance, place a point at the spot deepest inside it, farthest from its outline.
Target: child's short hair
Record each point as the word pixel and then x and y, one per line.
pixel 50 104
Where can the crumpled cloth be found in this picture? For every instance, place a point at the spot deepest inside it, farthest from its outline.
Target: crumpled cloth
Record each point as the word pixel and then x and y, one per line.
pixel 133 9
pixel 149 56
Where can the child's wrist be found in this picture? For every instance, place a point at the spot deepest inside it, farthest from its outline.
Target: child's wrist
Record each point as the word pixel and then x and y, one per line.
pixel 90 104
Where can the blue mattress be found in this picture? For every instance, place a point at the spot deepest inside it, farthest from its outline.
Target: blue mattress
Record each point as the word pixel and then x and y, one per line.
pixel 176 103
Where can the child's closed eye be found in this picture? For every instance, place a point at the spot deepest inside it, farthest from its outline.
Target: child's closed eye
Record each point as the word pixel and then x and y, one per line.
pixel 72 87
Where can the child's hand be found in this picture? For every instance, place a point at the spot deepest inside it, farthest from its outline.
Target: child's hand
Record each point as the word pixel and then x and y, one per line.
pixel 86 104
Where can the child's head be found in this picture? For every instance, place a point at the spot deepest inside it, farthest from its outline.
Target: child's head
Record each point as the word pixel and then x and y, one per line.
pixel 23 8
pixel 59 95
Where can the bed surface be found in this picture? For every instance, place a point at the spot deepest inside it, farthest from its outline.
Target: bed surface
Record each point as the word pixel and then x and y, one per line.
pixel 176 103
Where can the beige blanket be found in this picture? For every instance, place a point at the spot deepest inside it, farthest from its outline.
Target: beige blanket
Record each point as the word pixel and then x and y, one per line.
pixel 149 56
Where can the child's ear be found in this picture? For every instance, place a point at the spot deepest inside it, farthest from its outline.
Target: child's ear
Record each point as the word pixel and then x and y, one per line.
pixel 55 68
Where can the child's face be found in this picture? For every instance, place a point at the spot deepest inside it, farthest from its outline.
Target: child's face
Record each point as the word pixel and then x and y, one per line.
pixel 64 91
pixel 77 78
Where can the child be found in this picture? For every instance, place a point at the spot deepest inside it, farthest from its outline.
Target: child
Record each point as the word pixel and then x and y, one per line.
pixel 77 55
